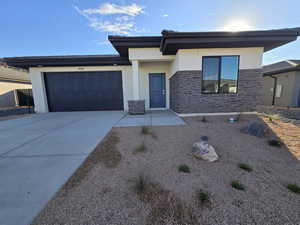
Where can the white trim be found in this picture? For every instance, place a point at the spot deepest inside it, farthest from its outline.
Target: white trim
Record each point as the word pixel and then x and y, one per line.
pixel 16 98
pixel 158 108
pixel 135 80
pixel 214 114
pixel 39 91
pixel 38 86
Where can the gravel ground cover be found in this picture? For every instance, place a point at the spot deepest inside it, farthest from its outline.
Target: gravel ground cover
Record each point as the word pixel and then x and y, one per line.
pixel 102 192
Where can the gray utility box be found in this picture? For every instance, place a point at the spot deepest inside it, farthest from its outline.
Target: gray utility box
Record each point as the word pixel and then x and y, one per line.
pixel 136 107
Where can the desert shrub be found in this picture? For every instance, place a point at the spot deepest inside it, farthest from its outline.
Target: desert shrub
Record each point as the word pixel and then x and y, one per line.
pixel 165 207
pixel 140 149
pixel 237 185
pixel 141 183
pixel 184 168
pixel 245 167
pixel 275 143
pixel 203 197
pixel 168 209
pixel 294 188
pixel 146 189
pixel 204 138
pixel 145 130
pixel 272 117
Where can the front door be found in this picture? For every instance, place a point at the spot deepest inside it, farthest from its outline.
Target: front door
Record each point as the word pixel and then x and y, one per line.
pixel 157 89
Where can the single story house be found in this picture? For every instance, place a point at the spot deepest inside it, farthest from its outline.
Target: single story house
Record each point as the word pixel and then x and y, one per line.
pixel 188 72
pixel 281 82
pixel 12 79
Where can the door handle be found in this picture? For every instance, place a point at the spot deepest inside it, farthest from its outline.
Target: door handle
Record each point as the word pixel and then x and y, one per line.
pixel 163 92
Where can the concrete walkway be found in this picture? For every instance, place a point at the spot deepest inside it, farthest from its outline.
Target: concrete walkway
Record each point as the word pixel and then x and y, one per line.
pixel 39 153
pixel 151 118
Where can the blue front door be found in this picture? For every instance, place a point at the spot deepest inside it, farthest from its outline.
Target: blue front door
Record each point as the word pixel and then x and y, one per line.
pixel 157 88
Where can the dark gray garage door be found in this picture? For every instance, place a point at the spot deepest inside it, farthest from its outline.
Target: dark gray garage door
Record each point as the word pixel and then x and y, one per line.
pixel 84 91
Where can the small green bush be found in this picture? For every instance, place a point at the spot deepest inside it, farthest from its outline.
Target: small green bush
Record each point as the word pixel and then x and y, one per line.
pixel 245 167
pixel 294 188
pixel 204 138
pixel 140 149
pixel 272 117
pixel 145 130
pixel 141 184
pixel 203 197
pixel 237 185
pixel 275 143
pixel 184 168
pixel 146 189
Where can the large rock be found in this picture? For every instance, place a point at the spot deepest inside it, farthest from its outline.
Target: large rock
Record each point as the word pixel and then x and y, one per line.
pixel 256 129
pixel 203 150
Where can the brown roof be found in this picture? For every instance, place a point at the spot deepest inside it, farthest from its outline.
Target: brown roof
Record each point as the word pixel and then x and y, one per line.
pixel 281 67
pixel 169 43
pixel 70 60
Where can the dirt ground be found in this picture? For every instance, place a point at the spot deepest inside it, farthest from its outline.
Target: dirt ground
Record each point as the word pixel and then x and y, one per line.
pixel 288 133
pixel 103 193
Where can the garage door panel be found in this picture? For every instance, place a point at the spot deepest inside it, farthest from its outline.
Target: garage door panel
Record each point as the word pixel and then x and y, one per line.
pixel 84 91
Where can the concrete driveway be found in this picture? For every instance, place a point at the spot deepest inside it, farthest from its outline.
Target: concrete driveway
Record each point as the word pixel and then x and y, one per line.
pixel 39 153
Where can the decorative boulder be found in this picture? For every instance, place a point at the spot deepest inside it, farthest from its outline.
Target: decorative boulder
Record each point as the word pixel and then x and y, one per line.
pixel 256 129
pixel 203 150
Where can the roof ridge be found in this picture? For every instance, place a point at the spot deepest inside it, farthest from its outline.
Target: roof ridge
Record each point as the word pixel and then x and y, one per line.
pixel 53 56
pixel 291 62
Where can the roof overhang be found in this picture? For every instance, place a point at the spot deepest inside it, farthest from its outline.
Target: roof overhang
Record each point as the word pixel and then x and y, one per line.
pixel 10 80
pixel 168 43
pixel 88 60
pixel 123 43
pixel 286 70
pixel 268 39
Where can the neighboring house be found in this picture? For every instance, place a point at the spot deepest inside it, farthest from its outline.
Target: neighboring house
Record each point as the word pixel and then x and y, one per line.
pixel 12 79
pixel 281 83
pixel 188 72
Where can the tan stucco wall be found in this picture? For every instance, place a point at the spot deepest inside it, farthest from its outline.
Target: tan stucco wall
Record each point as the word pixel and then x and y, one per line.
pixel 150 60
pixel 38 86
pixel 153 67
pixel 9 86
pixel 191 59
pixel 290 87
pixel 14 74
pixel 148 54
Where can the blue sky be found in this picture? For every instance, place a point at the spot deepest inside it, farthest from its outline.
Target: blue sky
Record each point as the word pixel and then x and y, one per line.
pixel 68 27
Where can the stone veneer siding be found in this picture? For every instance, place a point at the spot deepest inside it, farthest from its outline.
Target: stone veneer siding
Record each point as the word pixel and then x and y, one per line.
pixel 186 96
pixel 136 107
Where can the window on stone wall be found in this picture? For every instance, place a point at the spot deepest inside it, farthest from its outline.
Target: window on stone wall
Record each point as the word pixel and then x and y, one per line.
pixel 220 74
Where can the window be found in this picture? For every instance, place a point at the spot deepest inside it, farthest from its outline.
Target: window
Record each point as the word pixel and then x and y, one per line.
pixel 278 90
pixel 220 74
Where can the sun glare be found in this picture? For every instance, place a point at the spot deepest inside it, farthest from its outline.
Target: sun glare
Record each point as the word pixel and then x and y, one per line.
pixel 237 25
